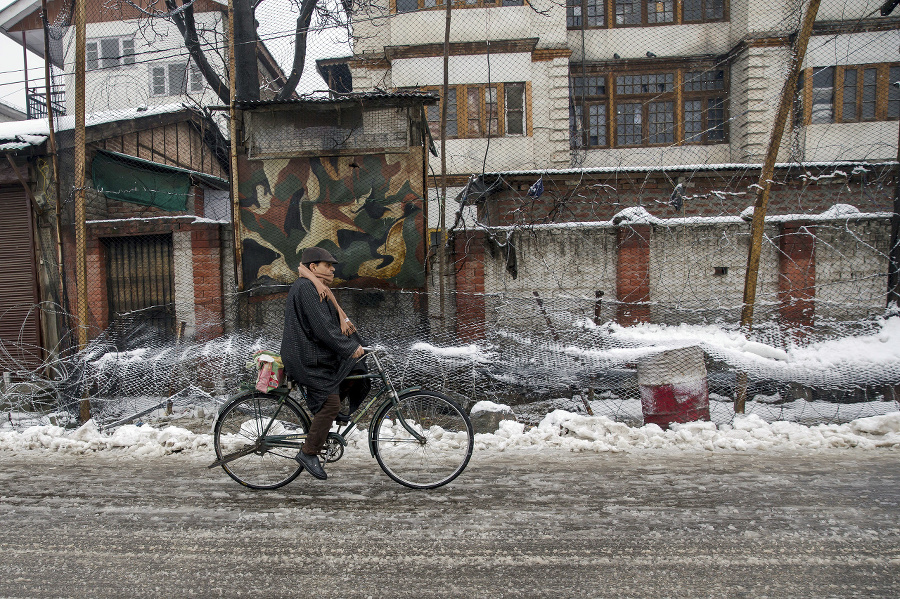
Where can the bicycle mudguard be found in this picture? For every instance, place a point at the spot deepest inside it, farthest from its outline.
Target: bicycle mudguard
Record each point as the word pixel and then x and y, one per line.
pixel 384 407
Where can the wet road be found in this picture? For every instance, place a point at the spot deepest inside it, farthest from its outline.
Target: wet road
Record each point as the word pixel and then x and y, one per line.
pixel 523 524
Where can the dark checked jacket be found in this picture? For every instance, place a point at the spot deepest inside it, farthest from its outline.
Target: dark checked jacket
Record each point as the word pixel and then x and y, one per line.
pixel 315 352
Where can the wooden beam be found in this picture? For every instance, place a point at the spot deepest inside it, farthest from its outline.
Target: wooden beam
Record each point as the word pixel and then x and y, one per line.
pixel 80 237
pixel 24 183
pixel 765 179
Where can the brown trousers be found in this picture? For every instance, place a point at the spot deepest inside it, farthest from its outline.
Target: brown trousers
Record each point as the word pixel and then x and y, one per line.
pixel 321 424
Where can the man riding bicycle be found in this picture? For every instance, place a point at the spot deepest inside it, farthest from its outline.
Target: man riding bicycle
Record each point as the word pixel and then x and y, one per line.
pixel 319 348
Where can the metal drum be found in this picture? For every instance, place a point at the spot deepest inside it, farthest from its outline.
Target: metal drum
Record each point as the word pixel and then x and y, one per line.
pixel 674 387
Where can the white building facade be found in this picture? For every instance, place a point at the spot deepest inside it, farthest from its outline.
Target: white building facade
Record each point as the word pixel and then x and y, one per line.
pixel 606 83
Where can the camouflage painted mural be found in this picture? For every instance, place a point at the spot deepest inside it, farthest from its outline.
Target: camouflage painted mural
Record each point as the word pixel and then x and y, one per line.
pixel 366 210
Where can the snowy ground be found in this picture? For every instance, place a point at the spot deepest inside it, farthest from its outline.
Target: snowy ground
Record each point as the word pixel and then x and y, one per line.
pixel 536 521
pixel 559 430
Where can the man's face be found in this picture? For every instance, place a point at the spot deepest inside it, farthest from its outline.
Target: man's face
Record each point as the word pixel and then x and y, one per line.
pixel 323 270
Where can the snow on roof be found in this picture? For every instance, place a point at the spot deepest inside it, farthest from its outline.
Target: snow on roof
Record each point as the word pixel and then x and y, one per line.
pixel 638 215
pixel 188 218
pixel 852 164
pixel 376 96
pixel 34 132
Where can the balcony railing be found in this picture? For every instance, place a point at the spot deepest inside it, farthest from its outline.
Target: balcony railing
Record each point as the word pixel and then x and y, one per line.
pixel 36 101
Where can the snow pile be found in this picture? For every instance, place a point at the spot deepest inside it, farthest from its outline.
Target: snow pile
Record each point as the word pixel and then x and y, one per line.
pixel 559 430
pixel 460 352
pixel 863 359
pixel 489 406
pixel 574 432
pixel 140 441
pixel 636 215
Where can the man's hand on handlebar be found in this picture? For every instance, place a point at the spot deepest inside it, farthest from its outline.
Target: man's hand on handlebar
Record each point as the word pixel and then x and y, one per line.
pixel 358 353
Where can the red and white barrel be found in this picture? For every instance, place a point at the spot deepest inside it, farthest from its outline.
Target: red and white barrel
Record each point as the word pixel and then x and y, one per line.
pixel 674 387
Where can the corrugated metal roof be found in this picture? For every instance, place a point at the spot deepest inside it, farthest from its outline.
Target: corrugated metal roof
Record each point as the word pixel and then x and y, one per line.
pixel 35 131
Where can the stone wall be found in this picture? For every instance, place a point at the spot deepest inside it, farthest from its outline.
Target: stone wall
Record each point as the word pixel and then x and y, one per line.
pixel 812 272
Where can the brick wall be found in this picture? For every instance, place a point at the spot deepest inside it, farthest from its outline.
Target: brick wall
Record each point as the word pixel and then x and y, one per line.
pixel 117 209
pixel 691 273
pixel 206 251
pixel 468 266
pixel 797 274
pixel 205 260
pixel 633 274
pixel 97 298
pixel 598 196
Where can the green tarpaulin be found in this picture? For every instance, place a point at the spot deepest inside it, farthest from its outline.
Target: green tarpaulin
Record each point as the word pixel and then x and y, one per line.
pixel 131 182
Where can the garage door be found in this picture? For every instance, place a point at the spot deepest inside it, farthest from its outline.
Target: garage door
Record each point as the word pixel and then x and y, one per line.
pixel 19 320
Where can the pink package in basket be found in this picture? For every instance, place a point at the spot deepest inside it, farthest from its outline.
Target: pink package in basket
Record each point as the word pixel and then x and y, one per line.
pixel 265 375
pixel 271 372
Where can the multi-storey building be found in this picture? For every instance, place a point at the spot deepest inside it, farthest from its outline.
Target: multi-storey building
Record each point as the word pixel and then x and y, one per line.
pixel 607 83
pixel 131 59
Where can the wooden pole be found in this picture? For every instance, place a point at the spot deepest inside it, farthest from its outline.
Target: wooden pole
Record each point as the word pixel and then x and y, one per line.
pixel 232 133
pixel 765 179
pixel 442 200
pixel 25 69
pixel 80 157
pixel 54 157
pixel 894 250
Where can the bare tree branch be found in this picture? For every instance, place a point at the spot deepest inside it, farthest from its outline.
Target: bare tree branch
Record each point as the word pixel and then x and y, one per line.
pixel 183 17
pixel 307 7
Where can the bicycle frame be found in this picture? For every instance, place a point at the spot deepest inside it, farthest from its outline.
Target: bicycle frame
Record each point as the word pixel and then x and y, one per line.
pixel 267 441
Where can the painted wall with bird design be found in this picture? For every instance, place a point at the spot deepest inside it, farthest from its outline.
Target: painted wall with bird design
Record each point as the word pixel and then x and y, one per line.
pixel 366 210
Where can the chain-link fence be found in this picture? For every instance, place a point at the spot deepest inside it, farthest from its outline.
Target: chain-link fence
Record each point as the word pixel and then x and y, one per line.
pixel 529 201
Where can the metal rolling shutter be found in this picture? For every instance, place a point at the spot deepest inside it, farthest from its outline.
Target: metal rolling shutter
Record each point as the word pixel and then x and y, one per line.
pixel 19 322
pixel 141 286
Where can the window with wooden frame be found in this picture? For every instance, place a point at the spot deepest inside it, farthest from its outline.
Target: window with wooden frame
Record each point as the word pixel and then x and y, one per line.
pixel 639 13
pixel 433 113
pixel 703 11
pixel 848 94
pixel 402 6
pixel 481 110
pixel 649 109
pixel 704 106
pixel 585 13
pixel 587 113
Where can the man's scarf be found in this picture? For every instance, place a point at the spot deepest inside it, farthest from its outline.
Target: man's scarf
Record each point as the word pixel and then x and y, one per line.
pixel 347 327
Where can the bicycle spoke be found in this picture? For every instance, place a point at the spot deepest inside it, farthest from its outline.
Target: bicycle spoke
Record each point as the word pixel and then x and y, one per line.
pixel 241 424
pixel 441 454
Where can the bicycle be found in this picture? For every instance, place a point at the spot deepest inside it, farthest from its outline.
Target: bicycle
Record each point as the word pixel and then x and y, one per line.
pixel 421 439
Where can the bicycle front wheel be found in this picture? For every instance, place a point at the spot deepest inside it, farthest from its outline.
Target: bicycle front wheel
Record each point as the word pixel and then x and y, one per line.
pixel 438 451
pixel 239 428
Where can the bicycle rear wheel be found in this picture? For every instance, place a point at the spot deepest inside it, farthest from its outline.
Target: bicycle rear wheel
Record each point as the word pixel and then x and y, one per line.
pixel 439 456
pixel 239 427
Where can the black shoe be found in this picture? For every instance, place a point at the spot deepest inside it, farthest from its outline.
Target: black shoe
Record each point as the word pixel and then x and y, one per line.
pixel 342 418
pixel 312 465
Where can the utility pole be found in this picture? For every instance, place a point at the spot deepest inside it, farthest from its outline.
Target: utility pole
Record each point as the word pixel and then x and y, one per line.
pixel 54 157
pixel 765 183
pixel 232 133
pixel 893 296
pixel 80 258
pixel 442 200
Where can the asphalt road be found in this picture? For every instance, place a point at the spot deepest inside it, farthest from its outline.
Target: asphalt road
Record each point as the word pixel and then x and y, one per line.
pixel 548 524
